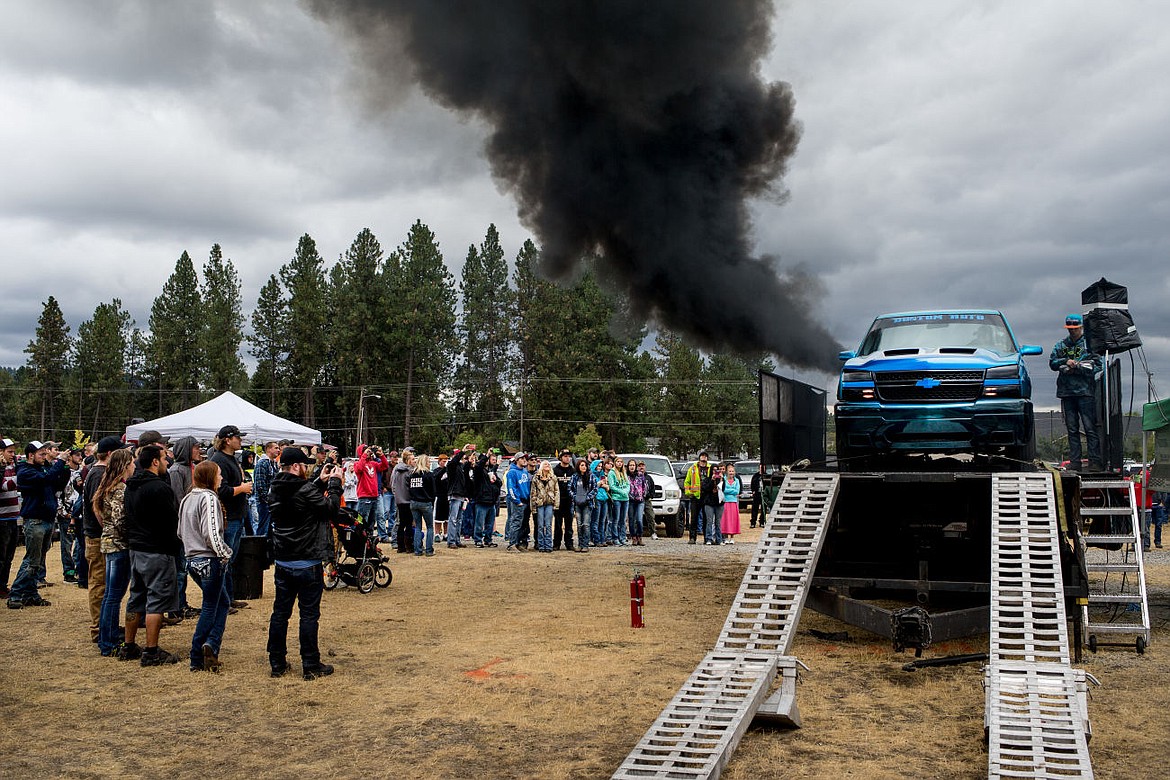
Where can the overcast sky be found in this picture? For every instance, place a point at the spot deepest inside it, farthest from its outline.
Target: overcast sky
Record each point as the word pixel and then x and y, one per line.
pixel 960 154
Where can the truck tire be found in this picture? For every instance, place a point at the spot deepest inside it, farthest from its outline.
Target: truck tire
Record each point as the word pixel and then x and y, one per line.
pixel 1023 452
pixel 672 529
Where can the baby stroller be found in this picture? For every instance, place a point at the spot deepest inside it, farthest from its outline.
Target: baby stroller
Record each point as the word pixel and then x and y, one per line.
pixel 356 560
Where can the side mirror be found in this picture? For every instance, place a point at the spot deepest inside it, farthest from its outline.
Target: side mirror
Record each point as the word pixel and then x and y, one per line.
pixel 848 355
pixel 1031 349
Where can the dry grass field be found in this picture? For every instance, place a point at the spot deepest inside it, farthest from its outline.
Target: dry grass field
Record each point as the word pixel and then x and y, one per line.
pixel 481 664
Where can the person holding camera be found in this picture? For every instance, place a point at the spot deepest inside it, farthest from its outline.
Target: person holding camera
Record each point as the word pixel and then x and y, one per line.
pixel 371 465
pixel 39 478
pixel 300 539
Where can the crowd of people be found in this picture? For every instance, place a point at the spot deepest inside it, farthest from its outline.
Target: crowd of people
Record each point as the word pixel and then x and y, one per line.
pixel 137 523
pixel 145 519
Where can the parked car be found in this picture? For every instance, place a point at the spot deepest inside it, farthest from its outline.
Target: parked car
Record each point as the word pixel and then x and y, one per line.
pixel 667 493
pixel 745 470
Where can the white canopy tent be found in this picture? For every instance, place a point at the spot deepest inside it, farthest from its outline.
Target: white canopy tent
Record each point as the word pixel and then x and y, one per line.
pixel 205 420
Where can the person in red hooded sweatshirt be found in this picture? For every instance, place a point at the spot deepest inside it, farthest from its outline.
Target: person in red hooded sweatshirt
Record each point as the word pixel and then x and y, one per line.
pixel 371 463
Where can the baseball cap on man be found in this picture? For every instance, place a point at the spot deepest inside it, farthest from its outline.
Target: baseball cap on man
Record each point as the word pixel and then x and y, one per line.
pixel 6 443
pixel 108 444
pixel 291 455
pixel 35 446
pixel 1074 321
pixel 228 431
pixel 564 452
pixel 153 437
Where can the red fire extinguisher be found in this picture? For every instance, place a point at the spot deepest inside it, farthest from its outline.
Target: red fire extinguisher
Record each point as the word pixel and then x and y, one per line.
pixel 637 600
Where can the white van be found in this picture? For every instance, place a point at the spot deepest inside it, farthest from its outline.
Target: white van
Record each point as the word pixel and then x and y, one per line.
pixel 667 493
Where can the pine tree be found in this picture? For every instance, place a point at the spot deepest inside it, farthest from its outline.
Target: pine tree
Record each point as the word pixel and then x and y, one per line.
pixel 269 339
pixel 48 361
pixel 99 368
pixel 304 280
pixel 362 318
pixel 426 338
pixel 730 383
pixel 484 330
pixel 223 323
pixel 176 339
pixel 137 364
pixel 681 402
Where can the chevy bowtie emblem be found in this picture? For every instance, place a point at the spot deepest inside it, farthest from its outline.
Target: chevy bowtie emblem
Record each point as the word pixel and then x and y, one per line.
pixel 928 383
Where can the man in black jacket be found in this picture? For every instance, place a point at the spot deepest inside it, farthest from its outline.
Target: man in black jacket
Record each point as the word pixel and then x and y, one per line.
pixel 458 493
pixel 38 479
pixel 300 510
pixel 233 492
pixel 757 496
pixel 151 524
pixel 563 514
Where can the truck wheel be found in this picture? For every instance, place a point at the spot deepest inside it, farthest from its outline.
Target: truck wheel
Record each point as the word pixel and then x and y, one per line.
pixel 1023 452
pixel 671 523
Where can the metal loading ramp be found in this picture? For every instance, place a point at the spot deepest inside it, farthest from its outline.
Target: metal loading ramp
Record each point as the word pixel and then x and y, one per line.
pixel 697 732
pixel 1036 717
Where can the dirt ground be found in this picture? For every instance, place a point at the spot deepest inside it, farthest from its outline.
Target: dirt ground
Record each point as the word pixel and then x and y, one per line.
pixel 483 664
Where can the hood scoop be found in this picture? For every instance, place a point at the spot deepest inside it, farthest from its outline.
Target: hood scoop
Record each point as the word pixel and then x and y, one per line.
pixel 957 350
pixel 898 352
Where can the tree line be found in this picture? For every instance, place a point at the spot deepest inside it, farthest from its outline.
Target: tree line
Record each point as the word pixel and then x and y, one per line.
pixel 500 355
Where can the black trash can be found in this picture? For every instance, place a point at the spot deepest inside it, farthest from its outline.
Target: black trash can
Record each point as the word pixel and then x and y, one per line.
pixel 248 568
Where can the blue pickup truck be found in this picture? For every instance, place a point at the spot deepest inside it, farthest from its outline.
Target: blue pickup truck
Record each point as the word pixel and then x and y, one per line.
pixel 935 382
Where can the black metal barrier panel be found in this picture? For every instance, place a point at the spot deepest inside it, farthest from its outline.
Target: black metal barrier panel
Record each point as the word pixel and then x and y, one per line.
pixel 793 420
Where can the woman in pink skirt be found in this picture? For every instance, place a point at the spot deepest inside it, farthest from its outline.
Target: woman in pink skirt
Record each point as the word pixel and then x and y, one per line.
pixel 729 525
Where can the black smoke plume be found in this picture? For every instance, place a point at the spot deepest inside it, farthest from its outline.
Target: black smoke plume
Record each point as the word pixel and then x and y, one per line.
pixel 634 129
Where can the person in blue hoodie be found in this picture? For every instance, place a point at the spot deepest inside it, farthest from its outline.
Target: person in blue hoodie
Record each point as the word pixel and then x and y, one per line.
pixel 39 479
pixel 518 484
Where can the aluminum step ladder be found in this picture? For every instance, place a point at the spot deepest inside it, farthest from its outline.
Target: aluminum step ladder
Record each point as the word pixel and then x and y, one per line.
pixel 697 732
pixel 1036 709
pixel 1120 579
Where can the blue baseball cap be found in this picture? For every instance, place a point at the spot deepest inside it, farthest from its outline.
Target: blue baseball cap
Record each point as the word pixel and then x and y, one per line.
pixel 1074 321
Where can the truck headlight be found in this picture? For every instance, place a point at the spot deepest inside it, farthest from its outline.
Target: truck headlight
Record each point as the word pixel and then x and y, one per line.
pixel 673 494
pixel 1003 372
pixel 856 376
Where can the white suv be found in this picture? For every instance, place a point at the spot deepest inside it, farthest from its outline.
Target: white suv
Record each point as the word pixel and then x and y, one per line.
pixel 667 493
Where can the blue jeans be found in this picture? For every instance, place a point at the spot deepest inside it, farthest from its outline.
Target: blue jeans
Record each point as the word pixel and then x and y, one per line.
pixel 485 523
pixel 233 532
pixel 637 510
pixel 303 586
pixel 515 518
pixel 80 564
pixel 386 519
pixel 66 540
pixel 423 513
pixel 583 533
pixel 210 574
pixel 711 525
pixel 369 509
pixel 597 522
pixel 37 536
pixel 469 519
pixel 1081 410
pixel 1158 520
pixel 544 518
pixel 263 519
pixel 617 529
pixel 454 519
pixel 117 581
